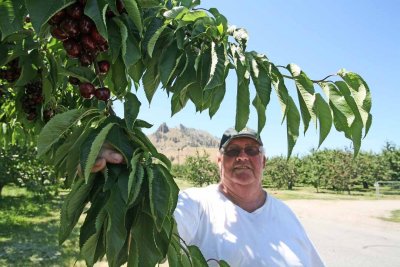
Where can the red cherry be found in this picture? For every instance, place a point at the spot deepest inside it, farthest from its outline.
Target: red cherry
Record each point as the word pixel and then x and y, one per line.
pixel 73 48
pixel 86 89
pixel 86 59
pixel 88 43
pixel 75 11
pixel 102 93
pixel 57 18
pixel 96 36
pixel 82 2
pixel 31 116
pixel 71 27
pixel 58 33
pixel 48 114
pixel 86 24
pixel 121 7
pixel 104 66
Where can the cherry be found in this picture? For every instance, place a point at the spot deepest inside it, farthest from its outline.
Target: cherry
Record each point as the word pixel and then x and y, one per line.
pixel 86 25
pixel 96 36
pixel 73 80
pixel 104 66
pixel 72 47
pixel 82 2
pixel 71 27
pixel 58 33
pixel 102 93
pixel 75 11
pixel 88 43
pixel 86 89
pixel 57 18
pixel 86 59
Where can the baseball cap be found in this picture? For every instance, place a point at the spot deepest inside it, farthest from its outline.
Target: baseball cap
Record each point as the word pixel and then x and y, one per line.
pixel 231 133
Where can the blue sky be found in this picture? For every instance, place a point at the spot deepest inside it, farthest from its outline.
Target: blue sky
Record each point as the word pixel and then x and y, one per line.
pixel 321 37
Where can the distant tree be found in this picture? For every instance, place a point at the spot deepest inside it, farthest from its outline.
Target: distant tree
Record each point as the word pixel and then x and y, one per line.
pixel 391 159
pixel 200 170
pixel 281 172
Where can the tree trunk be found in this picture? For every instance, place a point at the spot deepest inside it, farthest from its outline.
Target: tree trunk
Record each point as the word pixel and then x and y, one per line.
pixel 1 188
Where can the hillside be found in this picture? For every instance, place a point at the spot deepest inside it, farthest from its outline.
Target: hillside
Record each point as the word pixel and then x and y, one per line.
pixel 180 142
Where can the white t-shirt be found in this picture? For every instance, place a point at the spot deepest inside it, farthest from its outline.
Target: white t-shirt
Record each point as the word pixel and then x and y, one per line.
pixel 270 236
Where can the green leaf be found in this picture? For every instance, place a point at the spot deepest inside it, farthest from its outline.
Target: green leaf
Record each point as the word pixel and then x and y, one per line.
pixel 293 124
pixel 243 95
pixel 119 78
pixel 324 117
pixel 169 60
pixel 40 11
pixel 306 94
pixel 133 53
pixel 361 94
pixel 159 195
pixel 115 40
pixel 135 179
pixel 73 207
pixel 194 15
pixel 151 78
pixel 197 258
pixel 56 128
pixel 123 35
pixel 174 189
pixel 131 109
pixel 11 17
pixel 144 244
pixel 217 68
pixel 116 233
pixel 343 115
pixel 152 33
pixel 218 94
pixel 95 148
pixel 259 70
pixel 28 73
pixel 135 14
pixel 176 12
pixel 96 10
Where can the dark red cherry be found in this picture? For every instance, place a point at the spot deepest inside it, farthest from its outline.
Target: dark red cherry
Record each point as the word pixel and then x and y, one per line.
pixel 58 33
pixel 57 18
pixel 86 24
pixel 73 80
pixel 86 89
pixel 71 27
pixel 104 66
pixel 75 11
pixel 102 93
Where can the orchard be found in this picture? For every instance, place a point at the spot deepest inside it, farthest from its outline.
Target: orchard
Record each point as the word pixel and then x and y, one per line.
pixel 63 63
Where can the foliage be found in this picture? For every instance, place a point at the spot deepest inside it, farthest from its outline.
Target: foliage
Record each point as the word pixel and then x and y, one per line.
pixel 332 169
pixel 281 173
pixel 57 87
pixel 198 169
pixel 19 165
pixel 391 159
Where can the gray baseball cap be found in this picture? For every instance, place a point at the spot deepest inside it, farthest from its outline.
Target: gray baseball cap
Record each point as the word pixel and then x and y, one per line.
pixel 231 133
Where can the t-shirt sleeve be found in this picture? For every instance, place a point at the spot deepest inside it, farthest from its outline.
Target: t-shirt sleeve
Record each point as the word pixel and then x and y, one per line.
pixel 187 216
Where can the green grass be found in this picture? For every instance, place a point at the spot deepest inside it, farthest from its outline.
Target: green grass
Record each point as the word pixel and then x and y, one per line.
pixel 29 231
pixel 394 216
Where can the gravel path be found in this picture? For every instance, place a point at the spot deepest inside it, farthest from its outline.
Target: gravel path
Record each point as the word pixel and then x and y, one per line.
pixel 350 233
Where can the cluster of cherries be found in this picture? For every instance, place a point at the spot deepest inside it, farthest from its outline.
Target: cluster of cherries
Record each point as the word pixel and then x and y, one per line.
pixel 82 40
pixel 32 101
pixel 11 72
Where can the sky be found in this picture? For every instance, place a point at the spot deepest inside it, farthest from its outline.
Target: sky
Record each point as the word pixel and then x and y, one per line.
pixel 321 37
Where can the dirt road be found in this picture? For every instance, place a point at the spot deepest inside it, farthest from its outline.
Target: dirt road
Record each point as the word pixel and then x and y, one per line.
pixel 349 233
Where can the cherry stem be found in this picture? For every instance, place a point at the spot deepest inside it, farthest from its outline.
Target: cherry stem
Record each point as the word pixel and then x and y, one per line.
pixel 96 68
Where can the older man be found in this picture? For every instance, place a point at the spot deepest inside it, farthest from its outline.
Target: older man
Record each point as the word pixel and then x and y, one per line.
pixel 236 220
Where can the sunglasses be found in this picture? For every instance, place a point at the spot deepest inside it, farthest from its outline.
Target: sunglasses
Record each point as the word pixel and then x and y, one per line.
pixel 236 150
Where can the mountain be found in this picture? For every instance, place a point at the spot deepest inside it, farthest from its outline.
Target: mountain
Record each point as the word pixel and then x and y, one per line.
pixel 179 142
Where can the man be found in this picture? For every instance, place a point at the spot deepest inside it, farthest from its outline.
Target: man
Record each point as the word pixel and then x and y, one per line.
pixel 236 220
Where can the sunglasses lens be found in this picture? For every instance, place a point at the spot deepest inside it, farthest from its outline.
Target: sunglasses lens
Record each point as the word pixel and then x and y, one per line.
pixel 235 151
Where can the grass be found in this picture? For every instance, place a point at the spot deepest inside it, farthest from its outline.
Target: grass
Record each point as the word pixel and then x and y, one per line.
pixel 394 217
pixel 29 225
pixel 29 231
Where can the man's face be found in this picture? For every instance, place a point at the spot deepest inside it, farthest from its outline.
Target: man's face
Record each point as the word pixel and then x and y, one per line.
pixel 242 169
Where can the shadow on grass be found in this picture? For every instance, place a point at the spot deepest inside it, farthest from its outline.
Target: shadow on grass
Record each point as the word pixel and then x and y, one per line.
pixel 29 233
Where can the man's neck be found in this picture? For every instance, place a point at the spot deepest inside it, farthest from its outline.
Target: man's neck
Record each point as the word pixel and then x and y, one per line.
pixel 246 197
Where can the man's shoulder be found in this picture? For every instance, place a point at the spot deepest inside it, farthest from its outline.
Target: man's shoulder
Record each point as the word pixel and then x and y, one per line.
pixel 199 192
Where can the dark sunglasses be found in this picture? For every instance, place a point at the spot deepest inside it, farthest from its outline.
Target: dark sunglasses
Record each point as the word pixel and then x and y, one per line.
pixel 235 151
